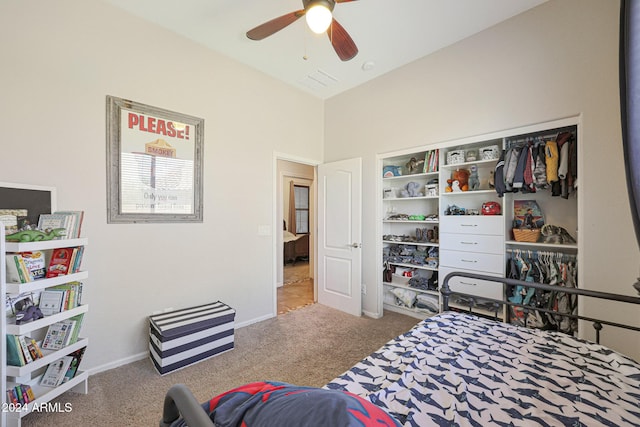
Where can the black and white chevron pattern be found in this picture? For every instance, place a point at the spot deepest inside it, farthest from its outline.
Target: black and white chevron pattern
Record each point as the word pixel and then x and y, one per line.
pixel 458 369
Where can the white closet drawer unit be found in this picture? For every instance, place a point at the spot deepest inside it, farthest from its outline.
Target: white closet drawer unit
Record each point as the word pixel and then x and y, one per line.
pixel 472 243
pixel 475 261
pixel 472 224
pixel 480 288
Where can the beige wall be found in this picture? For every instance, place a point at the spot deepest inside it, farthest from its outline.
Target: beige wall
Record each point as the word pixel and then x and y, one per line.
pixel 554 61
pixel 59 61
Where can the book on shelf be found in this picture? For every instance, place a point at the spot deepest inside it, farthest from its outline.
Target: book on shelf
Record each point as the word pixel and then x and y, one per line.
pixel 20 394
pixel 13 219
pixel 34 349
pixel 22 350
pixel 25 349
pixel 431 161
pixel 71 221
pixel 35 262
pixel 60 262
pixel 55 372
pixel 74 222
pixel 14 351
pixel 73 294
pixel 17 271
pixel 52 301
pixel 75 333
pixel 75 364
pixel 57 336
pixel 77 259
pixel 63 333
pixel 52 221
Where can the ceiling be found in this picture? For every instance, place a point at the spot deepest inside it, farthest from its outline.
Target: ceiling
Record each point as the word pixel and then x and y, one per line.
pixel 388 33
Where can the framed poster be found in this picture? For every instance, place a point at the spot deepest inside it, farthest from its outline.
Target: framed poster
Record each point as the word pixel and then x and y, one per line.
pixel 154 164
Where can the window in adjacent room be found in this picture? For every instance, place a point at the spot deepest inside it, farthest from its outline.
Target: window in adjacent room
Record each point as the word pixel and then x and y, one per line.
pixel 302 209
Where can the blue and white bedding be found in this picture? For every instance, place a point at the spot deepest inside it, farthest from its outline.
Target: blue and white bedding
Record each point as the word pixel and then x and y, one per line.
pixel 458 369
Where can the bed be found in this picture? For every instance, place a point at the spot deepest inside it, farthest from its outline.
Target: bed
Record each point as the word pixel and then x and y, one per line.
pixel 295 246
pixel 455 368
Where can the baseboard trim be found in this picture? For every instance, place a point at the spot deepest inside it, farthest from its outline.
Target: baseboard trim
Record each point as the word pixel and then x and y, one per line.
pixel 372 314
pixel 118 363
pixel 145 354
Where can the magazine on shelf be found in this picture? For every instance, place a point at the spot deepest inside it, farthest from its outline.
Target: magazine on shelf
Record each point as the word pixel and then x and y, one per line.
pixel 58 335
pixel 55 373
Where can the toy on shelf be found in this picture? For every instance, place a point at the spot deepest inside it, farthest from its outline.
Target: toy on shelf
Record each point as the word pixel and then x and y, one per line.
pixel 414 165
pixel 28 312
pixel 35 235
pixel 411 190
pixel 474 181
pixel 459 181
pixel 491 208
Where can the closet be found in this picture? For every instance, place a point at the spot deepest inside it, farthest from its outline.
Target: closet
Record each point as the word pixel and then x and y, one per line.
pixel 493 201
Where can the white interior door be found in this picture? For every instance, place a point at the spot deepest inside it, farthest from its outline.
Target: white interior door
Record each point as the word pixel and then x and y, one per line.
pixel 340 235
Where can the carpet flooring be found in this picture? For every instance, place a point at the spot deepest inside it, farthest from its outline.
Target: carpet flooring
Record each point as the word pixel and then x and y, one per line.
pixel 308 346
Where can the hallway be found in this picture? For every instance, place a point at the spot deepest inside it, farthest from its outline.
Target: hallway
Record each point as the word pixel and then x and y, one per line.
pixel 297 290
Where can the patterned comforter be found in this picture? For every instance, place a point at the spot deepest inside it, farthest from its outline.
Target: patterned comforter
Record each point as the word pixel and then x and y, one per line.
pixel 458 369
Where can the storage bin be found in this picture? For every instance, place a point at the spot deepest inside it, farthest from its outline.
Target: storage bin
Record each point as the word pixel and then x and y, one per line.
pixel 183 337
pixel 526 235
pixel 455 157
pixel 491 152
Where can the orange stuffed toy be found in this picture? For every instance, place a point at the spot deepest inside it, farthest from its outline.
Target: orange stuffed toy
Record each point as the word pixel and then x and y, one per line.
pixel 459 181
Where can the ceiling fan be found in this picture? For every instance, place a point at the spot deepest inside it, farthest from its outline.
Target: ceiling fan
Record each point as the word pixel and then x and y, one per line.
pixel 319 19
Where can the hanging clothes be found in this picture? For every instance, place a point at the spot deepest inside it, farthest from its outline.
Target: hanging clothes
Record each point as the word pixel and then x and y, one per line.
pixel 552 268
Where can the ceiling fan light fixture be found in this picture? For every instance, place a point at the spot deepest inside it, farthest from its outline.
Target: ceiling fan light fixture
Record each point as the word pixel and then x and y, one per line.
pixel 319 16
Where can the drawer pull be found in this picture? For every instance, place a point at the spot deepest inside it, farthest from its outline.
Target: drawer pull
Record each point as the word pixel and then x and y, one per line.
pixel 468 260
pixel 469 243
pixel 468 284
pixel 469 225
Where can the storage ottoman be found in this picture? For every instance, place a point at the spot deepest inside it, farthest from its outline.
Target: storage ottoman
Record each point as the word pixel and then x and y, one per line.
pixel 183 337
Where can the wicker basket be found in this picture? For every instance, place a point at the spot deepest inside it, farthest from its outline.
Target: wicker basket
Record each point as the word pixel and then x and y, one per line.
pixel 526 235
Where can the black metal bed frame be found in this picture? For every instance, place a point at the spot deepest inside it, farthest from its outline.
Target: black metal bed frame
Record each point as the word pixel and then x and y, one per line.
pixel 179 401
pixel 446 292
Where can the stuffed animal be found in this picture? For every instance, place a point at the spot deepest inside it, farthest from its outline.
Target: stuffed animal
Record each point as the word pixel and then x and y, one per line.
pixel 474 181
pixel 459 181
pixel 412 190
pixel 29 313
pixel 413 166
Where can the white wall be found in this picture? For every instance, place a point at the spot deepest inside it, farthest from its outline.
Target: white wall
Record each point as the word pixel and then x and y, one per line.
pixel 59 61
pixel 554 61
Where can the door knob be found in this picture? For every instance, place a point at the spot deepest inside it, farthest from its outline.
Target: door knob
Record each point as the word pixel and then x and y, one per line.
pixel 356 245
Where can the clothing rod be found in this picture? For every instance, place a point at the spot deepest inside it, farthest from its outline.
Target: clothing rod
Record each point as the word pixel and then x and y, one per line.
pixel 540 251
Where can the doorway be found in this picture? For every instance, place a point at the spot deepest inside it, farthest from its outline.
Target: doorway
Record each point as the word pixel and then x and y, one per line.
pixel 295 201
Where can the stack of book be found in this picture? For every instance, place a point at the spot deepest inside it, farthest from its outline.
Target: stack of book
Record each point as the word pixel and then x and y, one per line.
pixel 21 394
pixel 60 298
pixel 71 221
pixel 64 261
pixel 24 267
pixel 431 161
pixel 22 350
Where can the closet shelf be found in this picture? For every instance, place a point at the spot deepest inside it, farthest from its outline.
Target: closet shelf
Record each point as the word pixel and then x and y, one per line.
pixel 541 245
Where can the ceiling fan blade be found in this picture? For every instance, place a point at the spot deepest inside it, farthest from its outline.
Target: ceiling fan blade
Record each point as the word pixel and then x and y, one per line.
pixel 270 27
pixel 341 41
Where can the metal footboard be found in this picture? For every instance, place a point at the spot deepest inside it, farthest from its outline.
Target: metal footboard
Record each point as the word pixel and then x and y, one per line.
pixel 446 292
pixel 180 402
